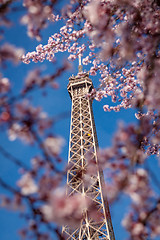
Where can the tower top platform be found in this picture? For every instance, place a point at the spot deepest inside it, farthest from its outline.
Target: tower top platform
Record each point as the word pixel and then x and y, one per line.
pixel 81 80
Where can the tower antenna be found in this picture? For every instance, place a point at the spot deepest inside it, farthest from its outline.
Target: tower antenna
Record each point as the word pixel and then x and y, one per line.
pixel 80 63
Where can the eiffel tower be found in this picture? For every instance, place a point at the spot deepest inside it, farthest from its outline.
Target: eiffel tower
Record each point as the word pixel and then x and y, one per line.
pixel 83 142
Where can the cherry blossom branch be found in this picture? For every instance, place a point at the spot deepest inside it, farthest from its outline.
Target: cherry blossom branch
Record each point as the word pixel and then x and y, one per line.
pixel 56 230
pixel 35 217
pixel 45 153
pixel 150 212
pixel 13 159
pixel 153 175
pixel 34 82
pixel 8 187
pixel 42 147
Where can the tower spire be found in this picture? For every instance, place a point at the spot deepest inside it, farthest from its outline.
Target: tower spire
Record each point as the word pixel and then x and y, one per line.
pixel 80 63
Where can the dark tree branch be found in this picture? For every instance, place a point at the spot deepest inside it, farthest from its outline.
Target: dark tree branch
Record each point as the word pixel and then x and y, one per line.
pixel 13 159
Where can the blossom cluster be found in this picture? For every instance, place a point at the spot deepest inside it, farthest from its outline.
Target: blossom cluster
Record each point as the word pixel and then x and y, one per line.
pixel 23 120
pixel 11 53
pixel 123 165
pixel 59 42
pixel 4 85
pixel 36 18
pixel 65 210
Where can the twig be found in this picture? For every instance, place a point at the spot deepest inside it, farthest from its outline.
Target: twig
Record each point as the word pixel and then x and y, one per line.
pixel 13 159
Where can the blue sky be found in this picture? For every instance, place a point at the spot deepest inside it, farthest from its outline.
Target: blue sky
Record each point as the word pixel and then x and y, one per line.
pixel 56 102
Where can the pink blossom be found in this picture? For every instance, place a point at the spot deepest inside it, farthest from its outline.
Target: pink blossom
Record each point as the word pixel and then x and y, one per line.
pixel 27 184
pixel 94 12
pixel 4 85
pixel 18 131
pixel 54 145
pixel 36 17
pixel 10 52
pixel 64 210
pixel 72 57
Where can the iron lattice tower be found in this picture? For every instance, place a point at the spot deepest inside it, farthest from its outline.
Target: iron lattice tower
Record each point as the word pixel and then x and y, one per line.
pixel 83 141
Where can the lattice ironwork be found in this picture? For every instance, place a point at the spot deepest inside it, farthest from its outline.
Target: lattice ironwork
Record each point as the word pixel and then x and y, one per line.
pixel 83 141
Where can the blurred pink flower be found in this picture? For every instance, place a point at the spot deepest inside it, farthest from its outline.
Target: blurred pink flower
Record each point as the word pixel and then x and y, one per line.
pixel 54 145
pixel 4 85
pixel 27 184
pixel 64 209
